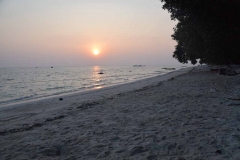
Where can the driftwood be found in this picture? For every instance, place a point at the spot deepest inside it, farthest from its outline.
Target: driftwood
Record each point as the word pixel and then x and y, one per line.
pixel 224 70
pixel 214 69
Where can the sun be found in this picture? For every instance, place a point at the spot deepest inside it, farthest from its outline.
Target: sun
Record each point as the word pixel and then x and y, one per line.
pixel 96 52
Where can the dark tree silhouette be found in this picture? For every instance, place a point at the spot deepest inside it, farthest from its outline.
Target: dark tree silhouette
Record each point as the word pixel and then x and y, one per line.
pixel 208 30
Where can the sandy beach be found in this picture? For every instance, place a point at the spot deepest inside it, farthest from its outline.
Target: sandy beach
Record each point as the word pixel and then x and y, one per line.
pixel 191 113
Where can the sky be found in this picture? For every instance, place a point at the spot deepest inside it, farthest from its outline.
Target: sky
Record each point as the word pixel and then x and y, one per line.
pixel 66 32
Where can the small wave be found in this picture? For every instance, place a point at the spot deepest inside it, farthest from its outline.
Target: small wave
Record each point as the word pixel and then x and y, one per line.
pixel 16 99
pixel 97 85
pixel 9 79
pixel 37 96
pixel 55 88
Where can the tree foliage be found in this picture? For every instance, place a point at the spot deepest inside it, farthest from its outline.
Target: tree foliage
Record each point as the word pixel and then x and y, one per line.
pixel 208 30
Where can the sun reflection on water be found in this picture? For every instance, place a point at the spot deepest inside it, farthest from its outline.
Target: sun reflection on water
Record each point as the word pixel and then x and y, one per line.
pixel 96 78
pixel 98 87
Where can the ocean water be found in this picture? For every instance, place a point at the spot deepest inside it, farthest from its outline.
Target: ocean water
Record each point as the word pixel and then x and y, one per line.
pixel 20 84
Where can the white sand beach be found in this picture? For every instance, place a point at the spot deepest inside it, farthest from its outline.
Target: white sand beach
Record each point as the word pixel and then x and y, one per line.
pixel 191 113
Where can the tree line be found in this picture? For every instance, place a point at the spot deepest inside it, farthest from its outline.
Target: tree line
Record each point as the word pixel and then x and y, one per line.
pixel 207 31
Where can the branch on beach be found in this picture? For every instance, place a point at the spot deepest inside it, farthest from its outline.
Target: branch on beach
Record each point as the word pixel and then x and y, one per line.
pixel 232 104
pixel 234 99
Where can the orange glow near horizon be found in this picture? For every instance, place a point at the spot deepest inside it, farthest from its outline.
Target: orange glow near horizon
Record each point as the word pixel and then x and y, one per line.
pixel 104 33
pixel 96 52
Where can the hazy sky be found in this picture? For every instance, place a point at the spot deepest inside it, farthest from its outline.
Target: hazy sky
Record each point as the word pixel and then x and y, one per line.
pixel 65 33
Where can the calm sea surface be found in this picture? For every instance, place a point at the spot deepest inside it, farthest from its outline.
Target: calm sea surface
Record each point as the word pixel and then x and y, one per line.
pixel 19 84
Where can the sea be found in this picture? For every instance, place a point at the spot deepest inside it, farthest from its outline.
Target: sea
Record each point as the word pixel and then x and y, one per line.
pixel 21 84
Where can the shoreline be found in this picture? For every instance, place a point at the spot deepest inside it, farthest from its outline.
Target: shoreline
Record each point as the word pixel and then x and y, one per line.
pixel 191 116
pixel 88 91
pixel 32 92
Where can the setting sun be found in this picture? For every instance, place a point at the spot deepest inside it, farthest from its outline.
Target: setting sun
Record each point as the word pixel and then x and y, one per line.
pixel 95 52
